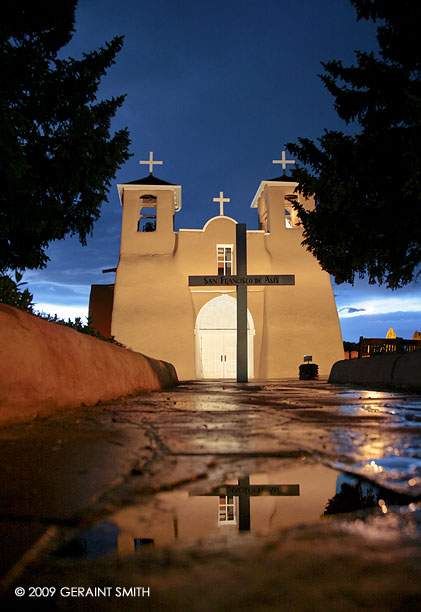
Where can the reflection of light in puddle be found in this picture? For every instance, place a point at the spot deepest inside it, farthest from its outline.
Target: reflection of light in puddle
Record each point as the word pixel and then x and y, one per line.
pixel 363 394
pixel 372 449
pixel 259 503
pixel 376 404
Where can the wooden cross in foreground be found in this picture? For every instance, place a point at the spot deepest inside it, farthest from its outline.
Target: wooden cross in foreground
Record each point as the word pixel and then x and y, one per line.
pixel 241 281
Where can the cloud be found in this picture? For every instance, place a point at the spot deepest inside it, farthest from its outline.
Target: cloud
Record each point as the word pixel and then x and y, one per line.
pixel 361 292
pixel 63 312
pixel 380 305
pixel 350 309
pixel 377 325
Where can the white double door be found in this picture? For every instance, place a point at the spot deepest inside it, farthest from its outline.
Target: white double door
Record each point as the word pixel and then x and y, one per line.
pixel 219 353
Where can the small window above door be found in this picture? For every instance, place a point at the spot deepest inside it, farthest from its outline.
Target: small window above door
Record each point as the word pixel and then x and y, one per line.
pixel 225 259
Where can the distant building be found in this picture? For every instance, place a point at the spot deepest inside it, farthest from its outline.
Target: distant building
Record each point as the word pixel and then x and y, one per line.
pixel 391 335
pixel 155 312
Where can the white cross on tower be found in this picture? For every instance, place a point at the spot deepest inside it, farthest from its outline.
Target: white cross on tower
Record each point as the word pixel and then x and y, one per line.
pixel 283 161
pixel 151 162
pixel 221 201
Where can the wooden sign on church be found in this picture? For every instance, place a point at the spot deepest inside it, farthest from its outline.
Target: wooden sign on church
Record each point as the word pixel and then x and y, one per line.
pixel 250 279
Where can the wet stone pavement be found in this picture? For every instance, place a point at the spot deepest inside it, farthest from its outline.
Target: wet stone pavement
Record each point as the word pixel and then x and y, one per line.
pixel 283 495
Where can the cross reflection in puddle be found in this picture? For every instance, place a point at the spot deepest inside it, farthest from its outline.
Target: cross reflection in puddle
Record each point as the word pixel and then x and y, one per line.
pixel 246 504
pixel 230 495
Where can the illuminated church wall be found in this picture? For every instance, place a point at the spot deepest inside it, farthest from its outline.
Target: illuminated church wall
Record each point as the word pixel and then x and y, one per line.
pixel 155 311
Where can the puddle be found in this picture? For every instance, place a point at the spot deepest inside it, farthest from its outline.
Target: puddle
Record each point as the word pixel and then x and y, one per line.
pixel 399 472
pixel 255 504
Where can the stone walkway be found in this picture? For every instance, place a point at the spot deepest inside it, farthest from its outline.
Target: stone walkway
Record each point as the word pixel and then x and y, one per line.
pixel 147 472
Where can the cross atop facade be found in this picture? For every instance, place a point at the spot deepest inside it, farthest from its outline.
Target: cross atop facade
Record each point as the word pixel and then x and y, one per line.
pixel 283 161
pixel 151 162
pixel 221 201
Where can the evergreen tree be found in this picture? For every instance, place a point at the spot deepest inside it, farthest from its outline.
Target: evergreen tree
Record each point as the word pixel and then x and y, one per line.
pixel 367 186
pixel 57 155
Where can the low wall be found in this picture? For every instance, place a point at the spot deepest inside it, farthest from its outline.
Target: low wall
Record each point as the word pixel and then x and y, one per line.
pixel 398 371
pixel 46 367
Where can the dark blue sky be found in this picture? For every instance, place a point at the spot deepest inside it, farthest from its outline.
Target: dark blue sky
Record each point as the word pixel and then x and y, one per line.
pixel 216 89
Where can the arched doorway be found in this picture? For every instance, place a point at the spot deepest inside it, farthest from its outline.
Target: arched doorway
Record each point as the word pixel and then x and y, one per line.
pixel 216 339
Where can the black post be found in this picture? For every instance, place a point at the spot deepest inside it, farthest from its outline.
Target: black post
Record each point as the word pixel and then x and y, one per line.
pixel 241 252
pixel 244 506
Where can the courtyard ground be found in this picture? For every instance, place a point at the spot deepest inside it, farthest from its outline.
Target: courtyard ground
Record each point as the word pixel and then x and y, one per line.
pixel 214 496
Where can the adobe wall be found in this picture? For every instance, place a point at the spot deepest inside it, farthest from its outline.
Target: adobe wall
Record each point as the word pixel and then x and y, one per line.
pixel 402 371
pixel 47 367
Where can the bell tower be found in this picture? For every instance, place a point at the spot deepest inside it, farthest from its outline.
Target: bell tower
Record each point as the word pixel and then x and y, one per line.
pixel 149 205
pixel 307 322
pixel 147 251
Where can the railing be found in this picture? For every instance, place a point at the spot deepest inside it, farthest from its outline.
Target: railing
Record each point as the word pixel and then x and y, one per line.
pixel 383 346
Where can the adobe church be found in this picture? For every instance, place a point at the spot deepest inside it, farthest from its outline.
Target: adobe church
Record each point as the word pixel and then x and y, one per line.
pixel 153 309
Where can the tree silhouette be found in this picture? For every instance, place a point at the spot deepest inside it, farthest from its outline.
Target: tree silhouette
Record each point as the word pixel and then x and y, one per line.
pixel 367 186
pixel 57 155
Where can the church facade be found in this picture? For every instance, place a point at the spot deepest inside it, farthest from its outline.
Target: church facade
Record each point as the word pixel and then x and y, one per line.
pixel 156 312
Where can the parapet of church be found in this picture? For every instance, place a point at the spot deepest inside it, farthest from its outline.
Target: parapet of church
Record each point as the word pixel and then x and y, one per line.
pixel 157 313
